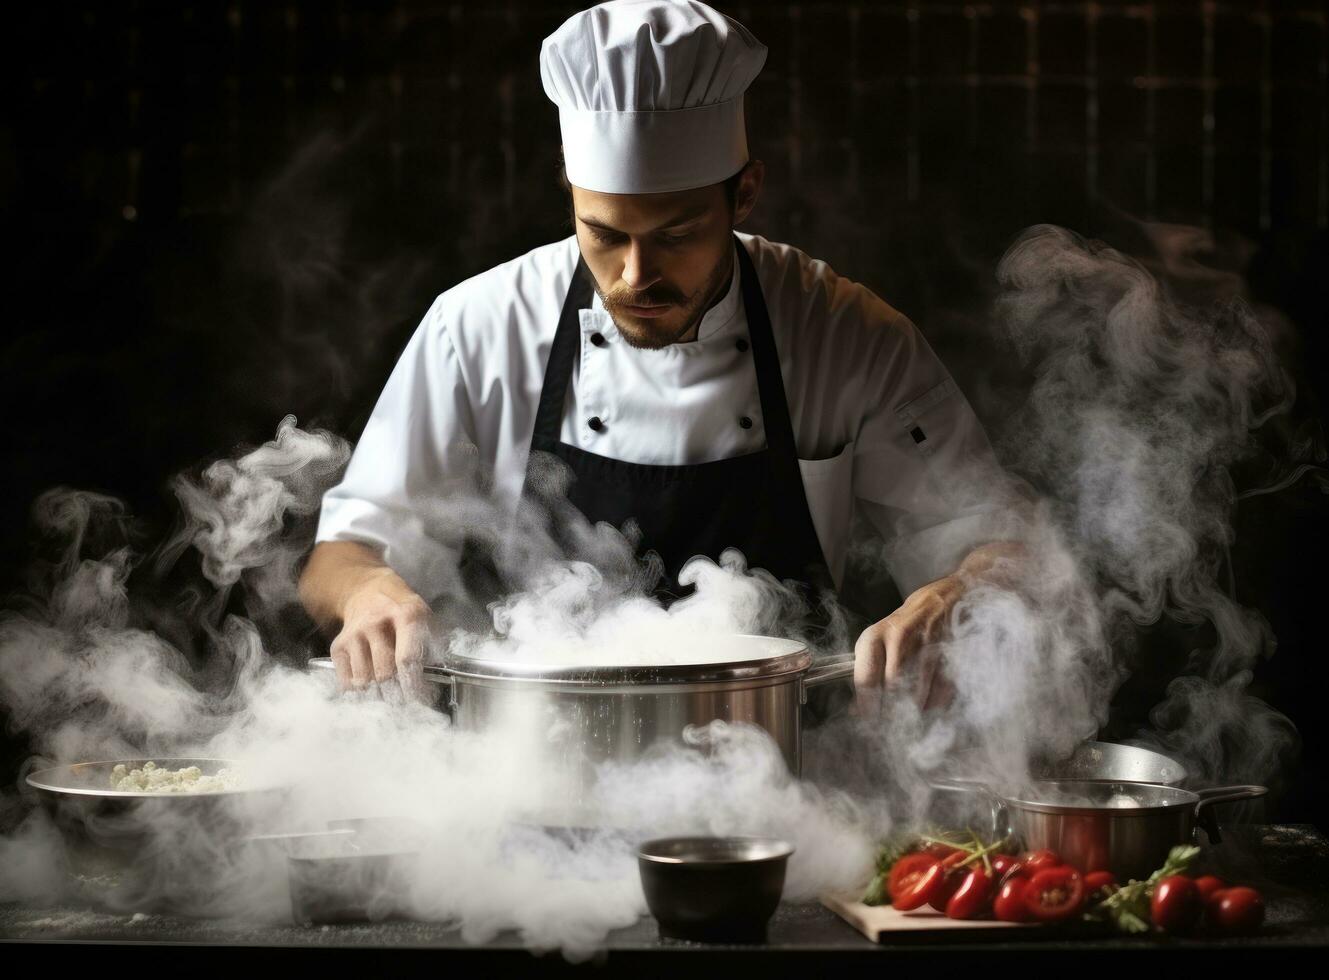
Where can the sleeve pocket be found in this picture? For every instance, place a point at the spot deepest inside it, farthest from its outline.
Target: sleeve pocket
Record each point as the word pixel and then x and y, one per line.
pixel 910 415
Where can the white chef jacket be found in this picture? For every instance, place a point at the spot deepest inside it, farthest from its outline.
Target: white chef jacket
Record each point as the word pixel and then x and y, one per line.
pixel 878 423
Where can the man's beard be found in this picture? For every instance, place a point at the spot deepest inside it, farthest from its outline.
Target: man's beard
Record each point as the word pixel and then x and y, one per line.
pixel 638 332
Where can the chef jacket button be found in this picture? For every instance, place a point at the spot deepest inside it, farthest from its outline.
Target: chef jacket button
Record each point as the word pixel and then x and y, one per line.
pixel 745 422
pixel 741 343
pixel 595 424
pixel 598 339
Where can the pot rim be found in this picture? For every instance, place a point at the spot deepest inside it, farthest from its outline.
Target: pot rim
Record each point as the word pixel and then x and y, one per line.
pixel 1185 800
pixel 656 851
pixel 789 657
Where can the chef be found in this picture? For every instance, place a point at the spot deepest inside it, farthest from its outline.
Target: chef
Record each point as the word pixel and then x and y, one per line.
pixel 713 388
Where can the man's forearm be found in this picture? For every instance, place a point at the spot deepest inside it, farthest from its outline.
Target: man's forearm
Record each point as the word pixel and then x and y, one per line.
pixel 336 570
pixel 999 563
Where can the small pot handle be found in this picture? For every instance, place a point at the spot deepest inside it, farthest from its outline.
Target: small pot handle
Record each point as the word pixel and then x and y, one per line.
pixel 1001 822
pixel 824 673
pixel 438 675
pixel 1204 814
pixel 432 672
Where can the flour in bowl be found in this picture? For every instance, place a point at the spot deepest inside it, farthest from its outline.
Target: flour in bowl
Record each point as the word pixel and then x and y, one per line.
pixel 190 779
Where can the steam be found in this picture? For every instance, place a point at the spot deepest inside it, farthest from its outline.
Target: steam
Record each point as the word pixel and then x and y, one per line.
pixel 85 683
pixel 1139 408
pixel 237 516
pixel 1142 408
pixel 1146 389
pixel 571 614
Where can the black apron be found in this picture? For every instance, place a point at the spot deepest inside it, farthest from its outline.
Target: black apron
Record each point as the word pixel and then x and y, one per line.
pixel 754 502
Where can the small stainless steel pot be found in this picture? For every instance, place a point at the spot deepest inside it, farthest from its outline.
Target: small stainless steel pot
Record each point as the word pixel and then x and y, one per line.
pixel 359 871
pixel 1124 827
pixel 713 889
pixel 966 802
pixel 578 717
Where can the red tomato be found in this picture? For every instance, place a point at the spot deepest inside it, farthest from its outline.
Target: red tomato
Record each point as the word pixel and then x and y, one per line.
pixel 1207 885
pixel 905 871
pixel 1097 881
pixel 919 888
pixel 1017 868
pixel 951 880
pixel 1001 863
pixel 1038 860
pixel 1054 894
pixel 971 898
pixel 1176 904
pixel 1236 910
pixel 1009 905
pixel 948 886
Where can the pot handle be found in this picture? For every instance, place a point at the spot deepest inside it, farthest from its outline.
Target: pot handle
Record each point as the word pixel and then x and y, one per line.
pixel 824 673
pixel 1001 818
pixel 1204 814
pixel 439 675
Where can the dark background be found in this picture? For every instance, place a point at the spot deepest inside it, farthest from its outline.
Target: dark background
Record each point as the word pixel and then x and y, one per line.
pixel 222 212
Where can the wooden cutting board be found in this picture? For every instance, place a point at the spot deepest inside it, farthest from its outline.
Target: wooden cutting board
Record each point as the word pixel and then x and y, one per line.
pixel 882 923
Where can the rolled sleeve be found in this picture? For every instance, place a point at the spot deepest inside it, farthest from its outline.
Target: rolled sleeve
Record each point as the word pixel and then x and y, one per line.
pixel 417 450
pixel 925 475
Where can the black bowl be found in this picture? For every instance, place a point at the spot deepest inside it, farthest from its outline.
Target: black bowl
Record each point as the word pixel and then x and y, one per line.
pixel 713 889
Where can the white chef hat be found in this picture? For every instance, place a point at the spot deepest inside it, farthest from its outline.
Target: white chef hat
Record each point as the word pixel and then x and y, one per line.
pixel 650 94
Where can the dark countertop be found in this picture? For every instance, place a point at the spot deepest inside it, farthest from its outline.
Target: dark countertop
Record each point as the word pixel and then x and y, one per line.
pixel 1289 863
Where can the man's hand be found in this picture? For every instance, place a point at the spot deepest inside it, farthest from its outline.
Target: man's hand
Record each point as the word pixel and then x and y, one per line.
pixel 885 649
pixel 384 624
pixel 384 629
pixel 895 650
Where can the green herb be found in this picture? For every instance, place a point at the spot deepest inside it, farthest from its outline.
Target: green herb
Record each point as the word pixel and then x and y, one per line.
pixel 890 851
pixel 894 848
pixel 1128 907
pixel 897 846
pixel 876 893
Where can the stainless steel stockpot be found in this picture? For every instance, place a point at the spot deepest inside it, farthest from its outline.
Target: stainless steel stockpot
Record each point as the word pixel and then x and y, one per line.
pixel 1124 827
pixel 583 716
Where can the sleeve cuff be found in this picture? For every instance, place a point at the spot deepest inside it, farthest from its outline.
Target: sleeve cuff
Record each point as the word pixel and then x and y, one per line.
pixel 427 565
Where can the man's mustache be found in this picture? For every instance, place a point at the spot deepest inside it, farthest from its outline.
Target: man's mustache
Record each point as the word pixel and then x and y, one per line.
pixel 642 299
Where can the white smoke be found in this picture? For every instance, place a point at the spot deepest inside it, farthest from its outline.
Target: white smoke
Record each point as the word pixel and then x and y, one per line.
pixel 236 515
pixel 1144 390
pixel 84 683
pixel 1140 405
pixel 1144 403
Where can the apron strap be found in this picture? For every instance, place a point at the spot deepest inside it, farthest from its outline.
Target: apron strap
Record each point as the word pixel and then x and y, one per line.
pixel 766 360
pixel 558 372
pixel 778 425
